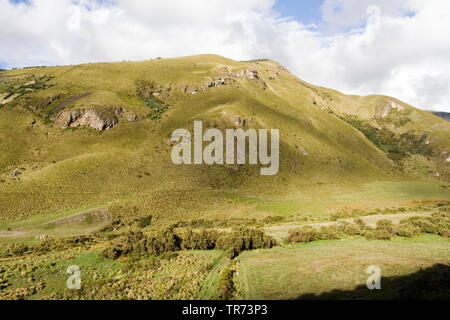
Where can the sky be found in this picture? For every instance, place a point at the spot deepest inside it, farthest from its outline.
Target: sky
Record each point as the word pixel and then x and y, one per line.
pixel 399 48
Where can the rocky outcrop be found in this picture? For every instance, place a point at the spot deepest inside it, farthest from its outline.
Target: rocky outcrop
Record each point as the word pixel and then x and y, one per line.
pixel 228 78
pixel 131 117
pixel 217 82
pixel 252 74
pixel 7 97
pixel 384 111
pixel 99 120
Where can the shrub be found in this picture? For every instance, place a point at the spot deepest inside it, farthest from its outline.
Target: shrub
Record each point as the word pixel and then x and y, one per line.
pixel 368 234
pixel 396 146
pixel 361 224
pixel 17 249
pixel 441 220
pixel 381 234
pixel 133 242
pixel 384 230
pixel 425 224
pixel 329 233
pixel 52 244
pixel 166 240
pixel 138 244
pixel 226 283
pixel 349 228
pixel 386 226
pixel 145 222
pixel 302 235
pixel 146 90
pixel 244 238
pixel 408 230
pixel 203 240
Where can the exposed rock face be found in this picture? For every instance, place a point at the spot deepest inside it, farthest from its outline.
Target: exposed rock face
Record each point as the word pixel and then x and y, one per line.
pixel 131 117
pixel 383 112
pixel 88 118
pixel 217 82
pixel 5 98
pixel 252 74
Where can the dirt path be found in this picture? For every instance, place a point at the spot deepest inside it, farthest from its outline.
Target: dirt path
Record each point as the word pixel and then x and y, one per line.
pixel 8 234
pixel 64 104
pixel 101 214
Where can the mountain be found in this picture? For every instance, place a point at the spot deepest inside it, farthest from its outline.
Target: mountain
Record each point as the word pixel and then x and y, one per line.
pixel 443 115
pixel 97 133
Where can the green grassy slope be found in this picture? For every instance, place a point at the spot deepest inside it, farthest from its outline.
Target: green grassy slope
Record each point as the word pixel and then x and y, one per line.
pixel 130 166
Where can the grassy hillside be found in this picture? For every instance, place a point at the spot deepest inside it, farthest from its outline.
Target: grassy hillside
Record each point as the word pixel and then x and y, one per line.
pixel 77 139
pixel 84 167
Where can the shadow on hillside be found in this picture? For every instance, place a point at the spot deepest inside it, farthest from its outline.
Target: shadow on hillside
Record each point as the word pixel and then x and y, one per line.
pixel 425 284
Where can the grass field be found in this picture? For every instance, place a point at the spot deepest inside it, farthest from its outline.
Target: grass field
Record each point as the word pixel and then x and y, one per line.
pixel 336 268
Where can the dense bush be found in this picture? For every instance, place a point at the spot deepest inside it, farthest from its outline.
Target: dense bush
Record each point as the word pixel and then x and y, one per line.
pixel 167 240
pixel 242 239
pixel 62 244
pixel 17 249
pixel 48 245
pixel 385 225
pixel 145 222
pixel 396 146
pixel 384 230
pixel 435 224
pixel 228 223
pixel 306 234
pixel 349 228
pixel 146 91
pixel 361 224
pixel 329 233
pixel 138 244
pixel 408 230
pixel 202 240
pixel 426 225
pixel 226 282
pixel 438 223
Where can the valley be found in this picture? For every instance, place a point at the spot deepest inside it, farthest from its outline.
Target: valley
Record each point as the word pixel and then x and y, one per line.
pixel 87 179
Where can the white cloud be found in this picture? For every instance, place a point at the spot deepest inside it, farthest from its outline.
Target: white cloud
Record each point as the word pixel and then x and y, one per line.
pixel 404 52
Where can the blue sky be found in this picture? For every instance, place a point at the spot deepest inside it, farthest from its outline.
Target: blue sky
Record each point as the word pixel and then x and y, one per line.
pixel 306 11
